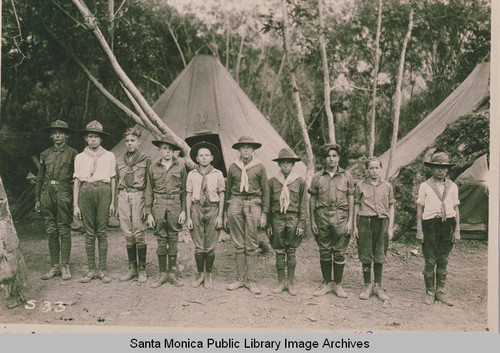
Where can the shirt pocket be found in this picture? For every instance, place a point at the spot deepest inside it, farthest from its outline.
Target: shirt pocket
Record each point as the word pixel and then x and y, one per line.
pixel 159 179
pixel 174 181
pixel 341 193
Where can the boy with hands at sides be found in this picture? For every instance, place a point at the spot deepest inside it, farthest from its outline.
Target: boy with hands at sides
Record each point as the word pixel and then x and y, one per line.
pixel 373 225
pixel 331 211
pixel 438 225
pixel 246 208
pixel 286 218
pixel 204 206
pixel 165 207
pixel 54 197
pixel 93 196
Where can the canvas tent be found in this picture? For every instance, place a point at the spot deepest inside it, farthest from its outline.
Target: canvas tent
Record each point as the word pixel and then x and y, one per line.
pixel 473 194
pixel 463 100
pixel 205 103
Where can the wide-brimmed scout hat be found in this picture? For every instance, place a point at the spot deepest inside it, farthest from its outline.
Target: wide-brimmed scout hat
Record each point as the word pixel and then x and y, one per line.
pixel 58 125
pixel 246 140
pixel 203 144
pixel 440 159
pixel 94 127
pixel 165 140
pixel 286 154
pixel 330 146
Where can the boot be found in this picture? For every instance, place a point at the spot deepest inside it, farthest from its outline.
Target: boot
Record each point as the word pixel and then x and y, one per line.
pixel 339 291
pixel 132 265
pixel 199 280
pixel 443 298
pixel 141 271
pixel 367 291
pixel 291 278
pixel 380 292
pixel 172 279
pixel 89 276
pixel 66 275
pixel 239 259
pixel 326 287
pixel 162 278
pixel 65 250
pixel 281 282
pixel 54 271
pixel 252 287
pixel 208 283
pixel 54 250
pixel 103 276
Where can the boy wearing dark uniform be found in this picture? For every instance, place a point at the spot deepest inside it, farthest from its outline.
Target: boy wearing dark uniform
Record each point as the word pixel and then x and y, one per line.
pixel 131 173
pixel 93 193
pixel 286 218
pixel 331 210
pixel 246 208
pixel 438 225
pixel 54 197
pixel 165 207
pixel 373 226
pixel 204 206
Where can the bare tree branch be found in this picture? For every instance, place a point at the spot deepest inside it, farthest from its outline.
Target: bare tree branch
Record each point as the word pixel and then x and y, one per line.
pixel 155 81
pixel 176 43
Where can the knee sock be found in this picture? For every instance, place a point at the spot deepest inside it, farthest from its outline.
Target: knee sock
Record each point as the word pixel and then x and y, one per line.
pixel 200 261
pixel 209 261
pixel 377 269
pixel 162 263
pixel 367 273
pixel 338 272
pixel 326 270
pixel 172 261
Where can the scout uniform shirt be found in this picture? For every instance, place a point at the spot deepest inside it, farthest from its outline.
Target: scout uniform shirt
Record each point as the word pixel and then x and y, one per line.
pixel 332 190
pixel 169 183
pixel 131 171
pixel 257 182
pixel 92 166
pixel 432 204
pixel 374 200
pixel 214 184
pixel 297 199
pixel 56 166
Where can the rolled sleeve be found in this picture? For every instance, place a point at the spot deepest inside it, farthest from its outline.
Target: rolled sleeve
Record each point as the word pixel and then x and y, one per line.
pixel 421 195
pixel 221 185
pixel 313 189
pixel 189 183
pixel 350 184
pixel 112 165
pixel 456 200
pixel 357 193
pixel 392 200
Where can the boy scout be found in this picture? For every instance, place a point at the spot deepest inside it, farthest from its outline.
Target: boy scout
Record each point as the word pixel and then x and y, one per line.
pixel 54 197
pixel 438 225
pixel 373 226
pixel 204 206
pixel 165 207
pixel 286 218
pixel 131 173
pixel 331 210
pixel 246 207
pixel 93 194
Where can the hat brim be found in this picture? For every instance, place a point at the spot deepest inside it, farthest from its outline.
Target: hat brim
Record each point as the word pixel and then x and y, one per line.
pixel 158 143
pixel 291 159
pixel 255 145
pixel 430 164
pixel 65 129
pixel 84 131
pixel 215 151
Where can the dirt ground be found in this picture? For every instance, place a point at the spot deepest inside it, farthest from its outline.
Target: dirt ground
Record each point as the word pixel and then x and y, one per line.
pixel 135 304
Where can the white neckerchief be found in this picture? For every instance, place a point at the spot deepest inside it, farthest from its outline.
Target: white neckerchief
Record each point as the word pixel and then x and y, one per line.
pixel 244 186
pixel 285 193
pixel 95 155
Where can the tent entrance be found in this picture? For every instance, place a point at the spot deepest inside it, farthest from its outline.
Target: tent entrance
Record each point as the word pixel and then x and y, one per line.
pixel 214 139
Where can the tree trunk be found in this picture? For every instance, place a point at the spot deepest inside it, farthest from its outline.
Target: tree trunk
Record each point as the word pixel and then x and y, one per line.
pixel 397 94
pixel 238 59
pixel 326 75
pixel 111 28
pixel 13 272
pixel 278 79
pixel 91 23
pixel 375 76
pixel 296 96
pixel 177 44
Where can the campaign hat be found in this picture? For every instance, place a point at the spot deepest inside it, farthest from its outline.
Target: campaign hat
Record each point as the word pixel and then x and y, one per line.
pixel 58 125
pixel 286 154
pixel 328 147
pixel 203 144
pixel 440 159
pixel 94 127
pixel 165 140
pixel 246 140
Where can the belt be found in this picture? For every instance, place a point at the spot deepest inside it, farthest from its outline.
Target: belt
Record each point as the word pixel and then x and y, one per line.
pixel 95 183
pixel 56 182
pixel 247 197
pixel 206 204
pixel 168 197
pixel 130 190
